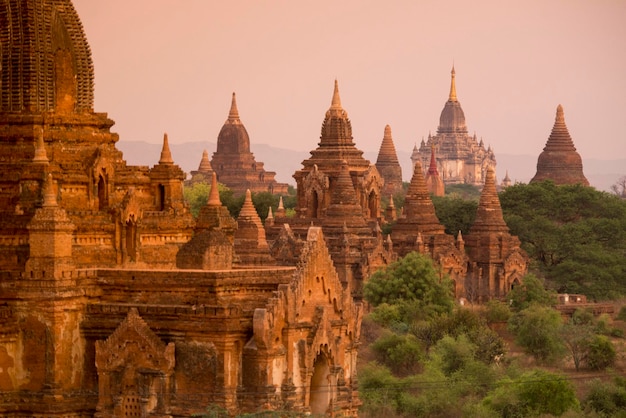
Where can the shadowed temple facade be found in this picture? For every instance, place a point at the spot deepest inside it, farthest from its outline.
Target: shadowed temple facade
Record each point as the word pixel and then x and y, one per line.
pixel 115 301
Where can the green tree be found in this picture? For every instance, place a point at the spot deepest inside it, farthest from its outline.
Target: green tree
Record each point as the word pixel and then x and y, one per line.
pixel 455 214
pixel 533 393
pixel 414 280
pixel 601 354
pixel 536 330
pixel 530 292
pixel 606 399
pixel 575 235
pixel 401 353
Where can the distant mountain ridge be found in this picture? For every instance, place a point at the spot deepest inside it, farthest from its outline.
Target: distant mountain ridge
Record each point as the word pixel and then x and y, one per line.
pixel 521 168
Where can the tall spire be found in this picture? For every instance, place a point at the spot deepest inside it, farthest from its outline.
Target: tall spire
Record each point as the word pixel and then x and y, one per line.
pixel 205 164
pixel 233 115
pixel 336 101
pixel 166 155
pixel 49 195
pixel 214 194
pixel 489 216
pixel 452 97
pixel 432 169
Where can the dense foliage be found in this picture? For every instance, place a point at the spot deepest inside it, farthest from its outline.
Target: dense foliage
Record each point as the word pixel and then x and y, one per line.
pixel 197 196
pixel 575 235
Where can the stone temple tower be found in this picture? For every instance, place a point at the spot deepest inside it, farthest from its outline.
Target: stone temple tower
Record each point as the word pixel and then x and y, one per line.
pixel 460 157
pixel 559 160
pixel 388 165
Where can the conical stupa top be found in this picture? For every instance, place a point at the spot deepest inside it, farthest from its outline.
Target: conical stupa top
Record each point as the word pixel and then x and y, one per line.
pixel 233 115
pixel 214 194
pixel 49 196
pixel 336 100
pixel 205 164
pixel 452 97
pixel 343 193
pixel 248 210
pixel 391 204
pixel 281 206
pixel 489 214
pixel 432 168
pixel 417 187
pixel 40 149
pixel 459 237
pixel 270 214
pixel 559 160
pixel 387 153
pixel 560 138
pixel 166 155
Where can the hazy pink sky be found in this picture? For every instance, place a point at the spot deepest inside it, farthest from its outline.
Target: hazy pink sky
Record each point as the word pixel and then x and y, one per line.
pixel 171 66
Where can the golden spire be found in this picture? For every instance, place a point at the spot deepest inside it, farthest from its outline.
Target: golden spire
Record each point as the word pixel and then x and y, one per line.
pixel 233 115
pixel 336 102
pixel 214 194
pixel 452 97
pixel 166 155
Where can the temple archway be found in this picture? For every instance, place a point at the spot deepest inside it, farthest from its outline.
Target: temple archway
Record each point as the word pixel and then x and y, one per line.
pixel 103 195
pixel 319 400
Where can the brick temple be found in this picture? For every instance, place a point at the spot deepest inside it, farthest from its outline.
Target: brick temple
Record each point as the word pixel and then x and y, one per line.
pixel 115 301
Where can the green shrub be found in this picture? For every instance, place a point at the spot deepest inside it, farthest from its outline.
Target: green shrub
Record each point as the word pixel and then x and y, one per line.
pixel 497 311
pixel 601 354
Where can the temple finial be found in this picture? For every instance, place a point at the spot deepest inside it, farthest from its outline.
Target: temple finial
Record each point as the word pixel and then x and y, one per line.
pixel 233 115
pixel 214 194
pixel 40 149
pixel 166 155
pixel 49 195
pixel 336 102
pixel 452 97
pixel 560 116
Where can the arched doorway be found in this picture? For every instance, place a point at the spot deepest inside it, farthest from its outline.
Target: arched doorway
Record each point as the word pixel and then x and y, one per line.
pixel 319 400
pixel 131 239
pixel 314 204
pixel 372 204
pixel 161 197
pixel 103 195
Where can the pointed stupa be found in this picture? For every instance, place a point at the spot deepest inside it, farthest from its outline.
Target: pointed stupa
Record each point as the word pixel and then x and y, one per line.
pixel 214 194
pixel 388 165
pixel 452 119
pixel 40 149
pixel 233 114
pixel 280 210
pixel 415 155
pixel 434 183
pixel 250 242
pixel 166 155
pixel 559 160
pixel 489 216
pixel 49 194
pixel 506 181
pixel 390 212
pixel 419 211
pixel 205 164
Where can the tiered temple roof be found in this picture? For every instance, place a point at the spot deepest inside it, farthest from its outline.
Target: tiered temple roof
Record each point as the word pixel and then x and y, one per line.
pixel 388 165
pixel 235 165
pixel 559 160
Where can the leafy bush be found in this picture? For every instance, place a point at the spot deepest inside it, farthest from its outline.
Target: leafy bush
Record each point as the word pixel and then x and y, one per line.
pixel 497 311
pixel 536 330
pixel 601 353
pixel 606 399
pixel 401 353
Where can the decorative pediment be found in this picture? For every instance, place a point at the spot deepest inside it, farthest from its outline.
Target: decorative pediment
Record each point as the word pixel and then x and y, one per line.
pixel 134 342
pixel 131 207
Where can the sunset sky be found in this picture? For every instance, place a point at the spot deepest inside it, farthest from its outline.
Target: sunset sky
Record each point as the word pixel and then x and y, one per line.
pixel 172 65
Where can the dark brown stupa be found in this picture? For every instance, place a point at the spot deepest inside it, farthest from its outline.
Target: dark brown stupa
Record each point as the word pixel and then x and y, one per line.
pixel 497 262
pixel 235 165
pixel 388 165
pixel 559 160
